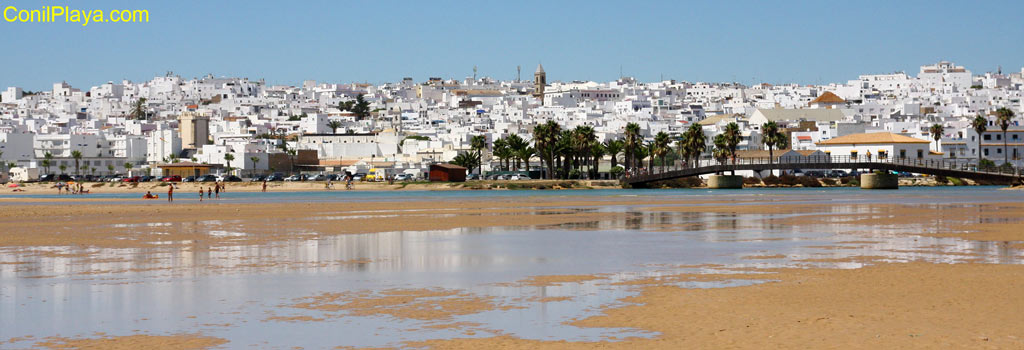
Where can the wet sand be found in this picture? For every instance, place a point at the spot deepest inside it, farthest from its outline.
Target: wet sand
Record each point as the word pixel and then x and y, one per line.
pixel 916 305
pixel 883 305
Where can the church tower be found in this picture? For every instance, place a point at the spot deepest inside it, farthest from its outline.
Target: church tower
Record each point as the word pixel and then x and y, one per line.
pixel 540 79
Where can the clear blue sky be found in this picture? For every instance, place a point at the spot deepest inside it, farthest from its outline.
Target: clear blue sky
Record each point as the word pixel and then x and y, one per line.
pixel 378 41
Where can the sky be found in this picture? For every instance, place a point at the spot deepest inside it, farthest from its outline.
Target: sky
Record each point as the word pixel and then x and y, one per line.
pixel 340 41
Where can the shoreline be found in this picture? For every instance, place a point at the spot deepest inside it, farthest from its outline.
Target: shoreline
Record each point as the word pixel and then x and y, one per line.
pixel 189 188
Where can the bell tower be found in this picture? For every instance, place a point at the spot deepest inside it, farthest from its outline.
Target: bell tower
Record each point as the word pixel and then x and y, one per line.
pixel 540 79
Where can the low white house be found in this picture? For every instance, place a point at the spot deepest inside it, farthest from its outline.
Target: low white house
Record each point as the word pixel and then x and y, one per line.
pixel 877 145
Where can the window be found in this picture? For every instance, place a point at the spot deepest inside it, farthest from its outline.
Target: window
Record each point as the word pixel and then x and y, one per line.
pixel 985 152
pixel 903 153
pixel 999 137
pixel 882 154
pixel 920 153
pixel 853 154
pixel 987 137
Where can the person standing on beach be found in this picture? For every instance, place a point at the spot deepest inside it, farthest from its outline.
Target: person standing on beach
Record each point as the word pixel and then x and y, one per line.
pixel 217 190
pixel 200 194
pixel 264 185
pixel 209 192
pixel 170 193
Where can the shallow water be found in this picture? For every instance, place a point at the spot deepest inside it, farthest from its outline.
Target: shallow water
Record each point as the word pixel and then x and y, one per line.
pixel 234 292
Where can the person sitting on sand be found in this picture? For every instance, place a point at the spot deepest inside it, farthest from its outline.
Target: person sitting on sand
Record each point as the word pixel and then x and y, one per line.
pixel 149 195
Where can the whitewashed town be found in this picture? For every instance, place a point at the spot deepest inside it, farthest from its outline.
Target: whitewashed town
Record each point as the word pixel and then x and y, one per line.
pixel 521 128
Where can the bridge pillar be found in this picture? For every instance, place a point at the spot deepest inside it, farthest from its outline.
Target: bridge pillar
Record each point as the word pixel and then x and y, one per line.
pixel 725 181
pixel 879 181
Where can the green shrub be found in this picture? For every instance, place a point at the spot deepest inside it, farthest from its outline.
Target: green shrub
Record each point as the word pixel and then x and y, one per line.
pixel 770 180
pixel 751 181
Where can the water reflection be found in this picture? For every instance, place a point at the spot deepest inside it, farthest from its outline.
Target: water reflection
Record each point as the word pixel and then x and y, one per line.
pixel 228 290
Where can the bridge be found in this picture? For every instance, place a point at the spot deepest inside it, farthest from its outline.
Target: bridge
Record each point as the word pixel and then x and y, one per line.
pixel 959 168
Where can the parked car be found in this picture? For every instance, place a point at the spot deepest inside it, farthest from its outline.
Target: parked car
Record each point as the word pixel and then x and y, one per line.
pixel 274 177
pixel 172 178
pixel 189 179
pixel 837 173
pixel 473 177
pixel 206 178
pixel 297 177
pixel 54 177
pixel 403 177
pixel 334 177
pixel 132 179
pixel 257 178
pixel 814 173
pixel 146 178
pixel 231 178
pixel 318 177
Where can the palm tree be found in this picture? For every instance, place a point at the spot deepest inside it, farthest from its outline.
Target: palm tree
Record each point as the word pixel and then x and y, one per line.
pixel 77 156
pixel 478 143
pixel 545 138
pixel 696 143
pixel 980 125
pixel 632 143
pixel 613 148
pixel 597 151
pixel 503 152
pixel 139 109
pixel 334 125
pixel 936 130
pixel 465 160
pixel 583 136
pixel 1003 117
pixel 721 149
pixel 62 168
pixel 110 169
pixel 661 147
pixel 524 154
pixel 227 159
pixel 47 161
pixel 128 167
pixel 517 145
pixel 92 171
pixel 732 139
pixel 772 138
pixel 255 160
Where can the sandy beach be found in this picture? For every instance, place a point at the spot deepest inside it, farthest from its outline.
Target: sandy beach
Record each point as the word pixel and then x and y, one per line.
pixel 911 303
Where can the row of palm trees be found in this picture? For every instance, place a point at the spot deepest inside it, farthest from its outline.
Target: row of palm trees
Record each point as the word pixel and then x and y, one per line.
pixel 1003 118
pixel 575 153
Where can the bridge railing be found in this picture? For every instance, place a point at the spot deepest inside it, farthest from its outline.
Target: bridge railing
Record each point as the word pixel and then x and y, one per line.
pixel 833 161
